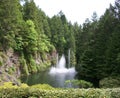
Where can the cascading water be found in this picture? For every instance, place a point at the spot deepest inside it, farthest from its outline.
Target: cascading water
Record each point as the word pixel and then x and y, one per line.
pixel 60 73
pixel 60 67
pixel 61 64
pixel 56 76
pixel 57 60
pixel 69 58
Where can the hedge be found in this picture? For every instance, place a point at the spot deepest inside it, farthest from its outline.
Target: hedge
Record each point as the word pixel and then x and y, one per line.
pixel 111 82
pixel 46 91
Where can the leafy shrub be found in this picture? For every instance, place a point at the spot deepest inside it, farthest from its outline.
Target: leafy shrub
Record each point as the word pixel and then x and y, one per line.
pixel 110 82
pixel 32 65
pixel 11 85
pixel 3 58
pixel 115 93
pixel 8 90
pixel 11 70
pixel 1 63
pixel 24 65
pixel 42 86
pixel 80 83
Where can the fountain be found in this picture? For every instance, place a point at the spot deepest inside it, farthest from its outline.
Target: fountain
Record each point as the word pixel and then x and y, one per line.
pixel 60 67
pixel 61 64
pixel 69 58
pixel 56 76
pixel 60 73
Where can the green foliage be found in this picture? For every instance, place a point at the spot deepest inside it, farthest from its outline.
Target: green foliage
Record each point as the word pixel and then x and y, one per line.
pixel 36 39
pixel 11 17
pixel 30 38
pixel 43 86
pixel 9 90
pixel 24 67
pixel 11 70
pixel 97 46
pixel 19 43
pixel 110 82
pixel 32 65
pixel 3 58
pixel 84 84
pixel 62 35
pixel 115 93
pixel 1 61
pixel 44 45
pixel 80 83
pixel 57 31
pixel 29 32
pixel 8 85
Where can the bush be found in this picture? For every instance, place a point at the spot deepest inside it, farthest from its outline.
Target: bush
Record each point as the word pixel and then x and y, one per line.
pixel 8 90
pixel 115 93
pixel 110 82
pixel 79 83
pixel 24 66
pixel 32 65
pixel 42 86
pixel 11 70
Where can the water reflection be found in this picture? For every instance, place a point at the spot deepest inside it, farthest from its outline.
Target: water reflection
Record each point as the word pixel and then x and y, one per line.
pixel 55 80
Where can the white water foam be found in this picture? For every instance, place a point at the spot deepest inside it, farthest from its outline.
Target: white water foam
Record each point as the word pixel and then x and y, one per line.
pixel 60 67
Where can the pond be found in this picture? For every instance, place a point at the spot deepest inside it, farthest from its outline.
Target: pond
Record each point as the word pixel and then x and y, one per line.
pixel 52 77
pixel 57 76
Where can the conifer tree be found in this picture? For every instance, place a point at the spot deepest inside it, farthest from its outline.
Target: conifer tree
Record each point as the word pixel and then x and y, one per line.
pixel 10 22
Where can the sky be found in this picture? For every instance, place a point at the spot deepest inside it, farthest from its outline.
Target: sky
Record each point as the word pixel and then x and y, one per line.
pixel 74 10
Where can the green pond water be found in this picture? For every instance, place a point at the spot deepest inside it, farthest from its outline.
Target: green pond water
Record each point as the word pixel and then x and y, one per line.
pixel 53 78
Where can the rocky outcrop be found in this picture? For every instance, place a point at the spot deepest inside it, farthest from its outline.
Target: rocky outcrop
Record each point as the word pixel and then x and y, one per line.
pixel 9 66
pixel 12 67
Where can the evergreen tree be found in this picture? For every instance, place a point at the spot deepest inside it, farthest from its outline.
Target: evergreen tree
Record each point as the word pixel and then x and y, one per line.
pixel 41 25
pixel 10 22
pixel 30 12
pixel 112 53
pixel 30 38
pixel 100 56
pixel 57 34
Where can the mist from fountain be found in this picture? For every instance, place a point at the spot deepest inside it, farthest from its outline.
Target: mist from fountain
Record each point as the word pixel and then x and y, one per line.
pixel 56 76
pixel 61 67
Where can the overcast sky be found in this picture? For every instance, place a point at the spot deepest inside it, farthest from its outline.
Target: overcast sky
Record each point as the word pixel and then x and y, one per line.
pixel 74 10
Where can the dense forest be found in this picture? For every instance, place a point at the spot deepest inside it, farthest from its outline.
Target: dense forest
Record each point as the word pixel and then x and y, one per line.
pixel 31 38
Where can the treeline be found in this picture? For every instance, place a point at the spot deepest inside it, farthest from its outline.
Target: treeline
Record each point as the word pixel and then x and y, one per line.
pixel 23 28
pixel 31 34
pixel 98 46
pixel 94 46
